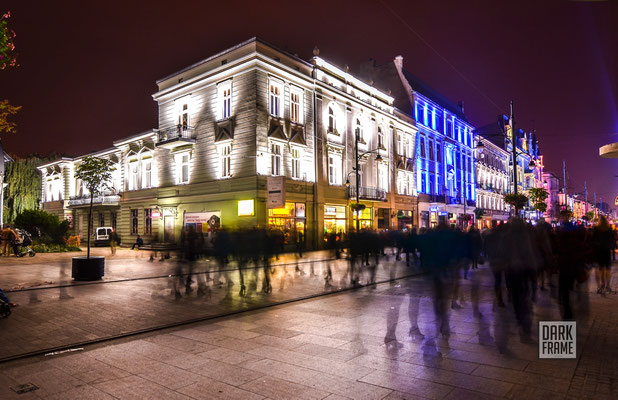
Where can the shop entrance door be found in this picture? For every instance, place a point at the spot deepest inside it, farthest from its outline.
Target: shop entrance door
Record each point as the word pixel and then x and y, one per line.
pixel 168 229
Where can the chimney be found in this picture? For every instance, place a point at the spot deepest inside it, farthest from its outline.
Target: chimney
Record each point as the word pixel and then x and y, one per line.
pixel 399 62
pixel 461 106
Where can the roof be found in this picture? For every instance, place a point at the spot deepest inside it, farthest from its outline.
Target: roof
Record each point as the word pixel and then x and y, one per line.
pixel 421 87
pixel 230 49
pixel 492 133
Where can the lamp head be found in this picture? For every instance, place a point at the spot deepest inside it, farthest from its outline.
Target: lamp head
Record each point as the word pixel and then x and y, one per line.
pixel 479 145
pixel 378 158
pixel 347 183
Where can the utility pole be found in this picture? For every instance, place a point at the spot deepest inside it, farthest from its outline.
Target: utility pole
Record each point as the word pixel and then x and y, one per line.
pixel 595 203
pixel 564 186
pixel 358 211
pixel 514 146
pixel 585 199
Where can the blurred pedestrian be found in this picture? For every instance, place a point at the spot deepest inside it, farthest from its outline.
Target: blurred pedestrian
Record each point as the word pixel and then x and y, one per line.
pixel 603 243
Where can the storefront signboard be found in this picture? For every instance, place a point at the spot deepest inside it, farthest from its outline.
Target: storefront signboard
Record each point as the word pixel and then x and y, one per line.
pixel 203 221
pixel 275 187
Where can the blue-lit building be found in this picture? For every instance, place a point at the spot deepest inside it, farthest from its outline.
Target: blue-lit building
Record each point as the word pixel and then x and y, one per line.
pixel 444 156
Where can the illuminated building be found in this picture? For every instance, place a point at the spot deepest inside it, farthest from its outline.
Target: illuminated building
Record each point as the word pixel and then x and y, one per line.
pixel 492 183
pixel 442 163
pixel 228 123
pixel 551 184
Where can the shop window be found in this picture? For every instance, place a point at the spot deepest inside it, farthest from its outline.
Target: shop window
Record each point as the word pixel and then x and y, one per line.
pixel 334 220
pixel 290 220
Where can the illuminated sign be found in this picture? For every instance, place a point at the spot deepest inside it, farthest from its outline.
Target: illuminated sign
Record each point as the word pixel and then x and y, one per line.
pixel 434 208
pixel 156 214
pixel 275 188
pixel 246 208
pixel 616 201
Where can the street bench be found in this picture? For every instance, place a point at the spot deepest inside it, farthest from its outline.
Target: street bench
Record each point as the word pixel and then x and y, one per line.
pixel 163 248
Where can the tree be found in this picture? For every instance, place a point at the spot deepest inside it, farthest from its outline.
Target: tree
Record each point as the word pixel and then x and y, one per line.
pixel 24 187
pixel 8 59
pixel 48 228
pixel 517 201
pixel 96 175
pixel 590 215
pixel 479 212
pixel 538 197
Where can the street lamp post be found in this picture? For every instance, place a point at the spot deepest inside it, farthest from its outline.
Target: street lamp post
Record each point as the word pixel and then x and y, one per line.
pixel 356 168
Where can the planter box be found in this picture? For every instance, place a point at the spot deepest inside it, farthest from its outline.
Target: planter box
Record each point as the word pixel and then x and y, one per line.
pixel 88 269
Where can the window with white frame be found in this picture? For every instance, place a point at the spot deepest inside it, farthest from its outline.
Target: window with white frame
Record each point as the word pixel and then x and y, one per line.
pixel 410 183
pixel 183 167
pixel 275 158
pixel 226 160
pixel 183 115
pixel 54 188
pixel 134 174
pixel 146 173
pixel 380 138
pixel 275 91
pixel 383 176
pixel 334 169
pixel 296 105
pixel 358 129
pixel 401 182
pixel 224 98
pixel 295 152
pixel 332 120
pixel 399 145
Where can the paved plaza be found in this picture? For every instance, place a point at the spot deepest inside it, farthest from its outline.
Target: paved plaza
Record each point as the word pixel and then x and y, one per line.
pixel 359 344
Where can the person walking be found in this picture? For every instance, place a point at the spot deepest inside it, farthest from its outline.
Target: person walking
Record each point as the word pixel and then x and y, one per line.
pixel 114 240
pixel 603 243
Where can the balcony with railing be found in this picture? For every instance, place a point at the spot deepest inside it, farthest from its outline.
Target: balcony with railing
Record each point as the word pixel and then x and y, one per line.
pixel 174 136
pixel 367 193
pixel 107 199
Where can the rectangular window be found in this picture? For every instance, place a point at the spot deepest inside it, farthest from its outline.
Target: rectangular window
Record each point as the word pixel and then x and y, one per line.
pixel 183 170
pixel 399 145
pixel 275 159
pixel 431 153
pixel 380 138
pixel 296 106
pixel 382 176
pixel 438 152
pixel 147 174
pixel 439 123
pixel 147 221
pixel 134 177
pixel 134 222
pixel 334 169
pixel 423 182
pixel 101 219
pixel 422 145
pixel 226 161
pixel 295 162
pixel 432 184
pixel 420 114
pixel 275 90
pixel 113 219
pixel 224 97
pixel 449 128
pixel 183 117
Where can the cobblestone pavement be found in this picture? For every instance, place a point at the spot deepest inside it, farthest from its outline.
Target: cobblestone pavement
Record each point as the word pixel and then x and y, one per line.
pixel 353 344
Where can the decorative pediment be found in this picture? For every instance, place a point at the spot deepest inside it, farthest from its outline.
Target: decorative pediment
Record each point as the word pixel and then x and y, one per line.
pixel 297 135
pixel 224 131
pixel 401 164
pixel 275 130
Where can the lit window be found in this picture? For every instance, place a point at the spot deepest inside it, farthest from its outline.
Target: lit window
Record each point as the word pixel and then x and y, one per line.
pixel 183 116
pixel 334 169
pixel 134 175
pixel 275 90
pixel 147 221
pixel 134 222
pixel 358 129
pixel 183 167
pixel 224 97
pixel 275 159
pixel 295 162
pixel 332 120
pixel 246 208
pixel 226 161
pixel 296 106
pixel 147 174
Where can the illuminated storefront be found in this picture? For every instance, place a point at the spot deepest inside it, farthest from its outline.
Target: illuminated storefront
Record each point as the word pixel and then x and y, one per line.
pixel 290 220
pixel 334 219
pixel 366 218
pixel 405 219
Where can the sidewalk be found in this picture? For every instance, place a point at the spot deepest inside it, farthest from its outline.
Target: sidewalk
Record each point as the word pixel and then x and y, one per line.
pixel 52 317
pixel 53 269
pixel 337 347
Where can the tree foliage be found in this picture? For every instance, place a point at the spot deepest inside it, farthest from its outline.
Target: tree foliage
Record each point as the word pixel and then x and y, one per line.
pixel 23 191
pixel 517 201
pixel 6 111
pixel 42 225
pixel 96 175
pixel 8 56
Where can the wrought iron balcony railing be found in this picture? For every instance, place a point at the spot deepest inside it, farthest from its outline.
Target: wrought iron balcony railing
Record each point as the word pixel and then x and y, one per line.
pixel 105 198
pixel 176 132
pixel 367 193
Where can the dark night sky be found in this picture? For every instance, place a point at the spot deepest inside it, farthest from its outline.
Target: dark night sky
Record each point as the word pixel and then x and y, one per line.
pixel 87 71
